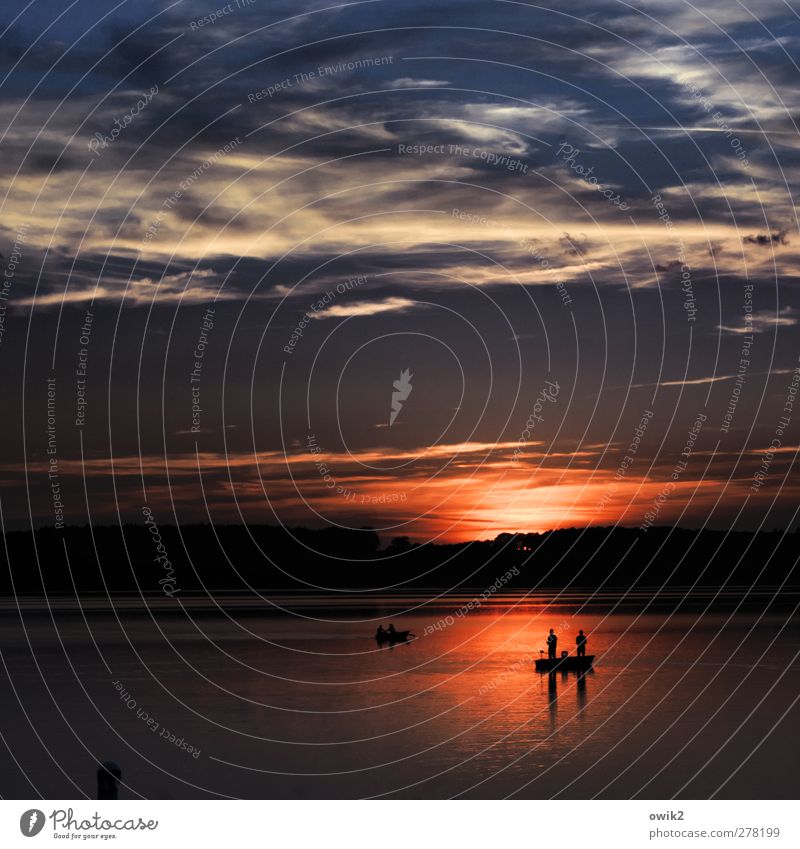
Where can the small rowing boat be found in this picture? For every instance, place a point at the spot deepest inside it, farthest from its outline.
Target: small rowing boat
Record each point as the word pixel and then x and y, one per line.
pixel 393 637
pixel 566 663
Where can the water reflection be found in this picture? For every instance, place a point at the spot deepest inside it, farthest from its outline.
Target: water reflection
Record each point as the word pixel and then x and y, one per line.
pixel 459 711
pixel 580 689
pixel 552 700
pixel 578 680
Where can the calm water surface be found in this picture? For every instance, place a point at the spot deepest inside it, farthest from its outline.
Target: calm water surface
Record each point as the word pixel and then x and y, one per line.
pixel 685 705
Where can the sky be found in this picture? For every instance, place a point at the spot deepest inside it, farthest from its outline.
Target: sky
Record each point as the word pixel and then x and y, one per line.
pixel 442 269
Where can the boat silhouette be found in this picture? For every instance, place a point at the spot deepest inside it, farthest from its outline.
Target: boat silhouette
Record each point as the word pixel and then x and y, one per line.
pixel 393 637
pixel 565 663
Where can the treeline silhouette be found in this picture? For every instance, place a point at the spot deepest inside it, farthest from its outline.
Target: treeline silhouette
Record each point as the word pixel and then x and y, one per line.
pixel 239 558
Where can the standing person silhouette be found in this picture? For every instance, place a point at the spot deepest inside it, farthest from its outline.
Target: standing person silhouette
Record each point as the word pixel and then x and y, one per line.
pixel 552 643
pixel 580 642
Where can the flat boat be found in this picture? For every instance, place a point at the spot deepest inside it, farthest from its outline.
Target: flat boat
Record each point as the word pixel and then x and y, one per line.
pixel 568 663
pixel 393 637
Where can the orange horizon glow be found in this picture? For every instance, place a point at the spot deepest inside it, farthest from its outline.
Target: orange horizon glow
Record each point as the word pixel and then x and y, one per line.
pixel 452 493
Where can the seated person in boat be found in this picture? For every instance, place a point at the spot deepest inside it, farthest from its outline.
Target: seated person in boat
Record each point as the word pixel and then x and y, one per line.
pixel 380 633
pixel 390 630
pixel 552 642
pixel 580 642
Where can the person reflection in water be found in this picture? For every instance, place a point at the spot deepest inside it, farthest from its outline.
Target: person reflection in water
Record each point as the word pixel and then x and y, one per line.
pixel 580 642
pixel 581 690
pixel 552 643
pixel 552 701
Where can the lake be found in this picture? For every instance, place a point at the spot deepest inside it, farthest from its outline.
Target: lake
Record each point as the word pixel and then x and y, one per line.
pixel 244 700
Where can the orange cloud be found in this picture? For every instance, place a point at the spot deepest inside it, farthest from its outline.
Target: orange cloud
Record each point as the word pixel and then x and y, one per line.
pixel 449 492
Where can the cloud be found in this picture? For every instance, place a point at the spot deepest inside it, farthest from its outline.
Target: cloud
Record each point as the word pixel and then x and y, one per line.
pixel 762 321
pixel 458 491
pixel 574 245
pixel 413 82
pixel 360 308
pixel 702 381
pixel 766 239
pixel 697 381
pixel 186 287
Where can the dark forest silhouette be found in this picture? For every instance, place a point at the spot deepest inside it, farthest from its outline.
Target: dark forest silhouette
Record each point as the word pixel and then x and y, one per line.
pixel 236 558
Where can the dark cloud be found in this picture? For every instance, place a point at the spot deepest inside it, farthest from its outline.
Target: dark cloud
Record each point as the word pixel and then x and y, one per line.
pixel 767 239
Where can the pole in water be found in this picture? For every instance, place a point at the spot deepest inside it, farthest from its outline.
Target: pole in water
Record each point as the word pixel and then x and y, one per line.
pixel 109 776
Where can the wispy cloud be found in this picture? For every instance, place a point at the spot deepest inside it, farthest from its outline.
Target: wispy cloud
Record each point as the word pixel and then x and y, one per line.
pixel 360 308
pixel 187 287
pixel 762 321
pixel 703 381
pixel 413 82
pixel 697 381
